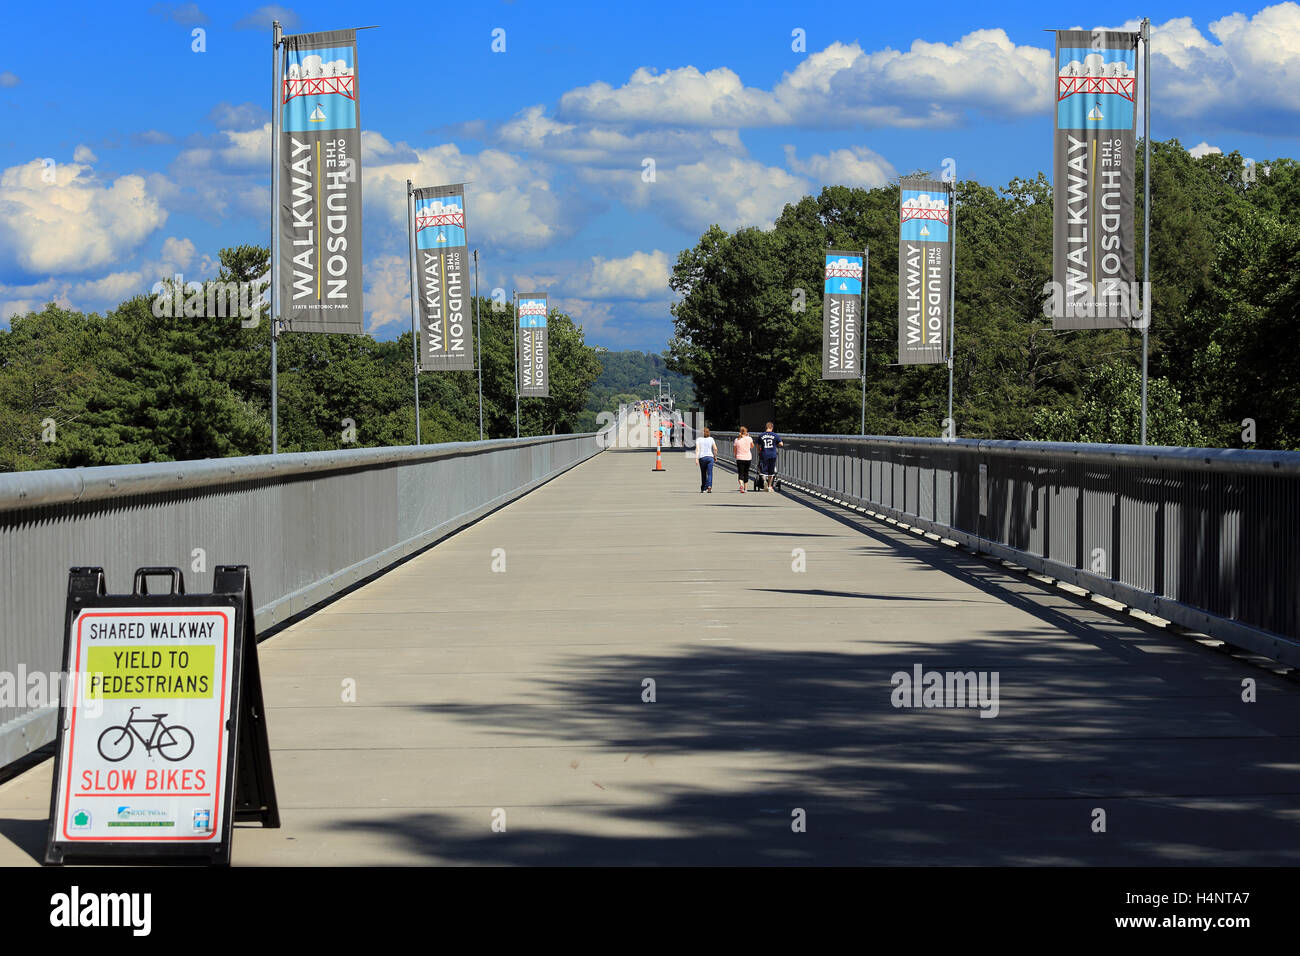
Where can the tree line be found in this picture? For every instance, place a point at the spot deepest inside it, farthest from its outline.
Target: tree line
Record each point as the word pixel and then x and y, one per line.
pixel 1225 279
pixel 132 386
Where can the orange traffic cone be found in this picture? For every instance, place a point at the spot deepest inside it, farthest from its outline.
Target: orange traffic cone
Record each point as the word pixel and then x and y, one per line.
pixel 659 456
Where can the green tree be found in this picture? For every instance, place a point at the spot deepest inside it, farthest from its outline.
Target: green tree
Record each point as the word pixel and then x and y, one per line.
pixel 1109 411
pixel 1223 282
pixel 152 382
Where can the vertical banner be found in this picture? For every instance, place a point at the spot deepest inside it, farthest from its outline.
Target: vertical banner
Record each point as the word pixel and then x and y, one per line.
pixel 534 365
pixel 1093 269
pixel 924 271
pixel 842 316
pixel 446 333
pixel 320 184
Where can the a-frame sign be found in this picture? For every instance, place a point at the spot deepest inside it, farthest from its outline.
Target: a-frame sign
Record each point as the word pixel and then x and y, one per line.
pixel 162 740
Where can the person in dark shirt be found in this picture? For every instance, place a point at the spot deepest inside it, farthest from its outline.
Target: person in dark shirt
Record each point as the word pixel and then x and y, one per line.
pixel 768 443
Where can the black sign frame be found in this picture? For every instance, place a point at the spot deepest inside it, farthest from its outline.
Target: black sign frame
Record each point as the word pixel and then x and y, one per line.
pixel 249 786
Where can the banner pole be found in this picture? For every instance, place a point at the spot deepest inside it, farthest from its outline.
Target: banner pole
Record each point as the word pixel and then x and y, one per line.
pixel 516 325
pixel 415 332
pixel 862 335
pixel 478 339
pixel 952 303
pixel 1146 212
pixel 275 224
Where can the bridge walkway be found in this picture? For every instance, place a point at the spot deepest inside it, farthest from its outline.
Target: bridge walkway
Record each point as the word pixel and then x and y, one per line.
pixel 499 678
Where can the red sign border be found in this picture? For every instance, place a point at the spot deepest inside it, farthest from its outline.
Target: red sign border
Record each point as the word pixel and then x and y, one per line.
pixel 227 616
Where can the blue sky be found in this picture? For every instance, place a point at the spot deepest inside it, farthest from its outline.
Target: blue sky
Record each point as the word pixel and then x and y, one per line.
pixel 125 155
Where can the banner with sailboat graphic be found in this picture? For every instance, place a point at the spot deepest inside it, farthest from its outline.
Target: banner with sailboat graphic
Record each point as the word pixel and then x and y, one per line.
pixel 924 271
pixel 842 316
pixel 1093 235
pixel 533 358
pixel 442 268
pixel 320 184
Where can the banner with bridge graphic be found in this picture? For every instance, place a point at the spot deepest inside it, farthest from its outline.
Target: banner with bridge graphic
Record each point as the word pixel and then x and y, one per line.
pixel 320 184
pixel 924 271
pixel 442 268
pixel 1093 230
pixel 534 365
pixel 842 316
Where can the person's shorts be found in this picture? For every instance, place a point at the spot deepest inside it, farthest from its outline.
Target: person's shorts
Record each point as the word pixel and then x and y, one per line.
pixel 767 466
pixel 742 469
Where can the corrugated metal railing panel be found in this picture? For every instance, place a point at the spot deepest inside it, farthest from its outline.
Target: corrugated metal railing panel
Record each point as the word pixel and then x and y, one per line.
pixel 308 525
pixel 1208 538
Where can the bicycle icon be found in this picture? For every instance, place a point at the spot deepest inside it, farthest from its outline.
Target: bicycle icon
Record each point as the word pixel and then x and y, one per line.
pixel 173 743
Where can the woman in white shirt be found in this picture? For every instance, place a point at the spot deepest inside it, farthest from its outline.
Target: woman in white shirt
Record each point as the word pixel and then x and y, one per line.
pixel 706 449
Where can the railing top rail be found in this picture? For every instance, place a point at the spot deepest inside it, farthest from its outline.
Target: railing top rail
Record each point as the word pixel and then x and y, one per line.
pixel 1239 460
pixel 30 489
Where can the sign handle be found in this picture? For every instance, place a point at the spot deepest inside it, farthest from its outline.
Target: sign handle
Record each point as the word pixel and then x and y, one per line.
pixel 142 576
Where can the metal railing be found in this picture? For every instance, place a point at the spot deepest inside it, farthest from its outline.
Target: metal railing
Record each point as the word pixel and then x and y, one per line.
pixel 1206 538
pixel 308 525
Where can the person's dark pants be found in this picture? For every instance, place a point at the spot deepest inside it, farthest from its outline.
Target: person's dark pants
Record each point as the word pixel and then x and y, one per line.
pixel 742 470
pixel 767 466
pixel 706 474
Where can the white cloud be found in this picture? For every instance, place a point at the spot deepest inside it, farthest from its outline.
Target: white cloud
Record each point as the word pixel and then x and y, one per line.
pixel 234 149
pixel 642 275
pixel 178 252
pixel 595 318
pixel 226 115
pixel 262 18
pixel 587 144
pixel 84 154
pixel 111 289
pixel 508 198
pixel 621 324
pixel 108 291
pixel 854 166
pixel 617 299
pixel 680 97
pixel 730 191
pixel 1255 66
pixel 8 79
pixel 152 137
pixel 21 299
pixel 928 84
pixel 388 292
pixel 375 148
pixel 75 224
pixel 1247 65
pixel 186 14
pixel 222 174
pixel 1203 149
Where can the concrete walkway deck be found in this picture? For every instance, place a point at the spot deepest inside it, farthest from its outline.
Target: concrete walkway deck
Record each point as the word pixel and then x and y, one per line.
pixel 479 691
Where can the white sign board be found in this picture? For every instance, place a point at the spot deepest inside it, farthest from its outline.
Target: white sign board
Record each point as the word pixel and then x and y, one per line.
pixel 146 732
